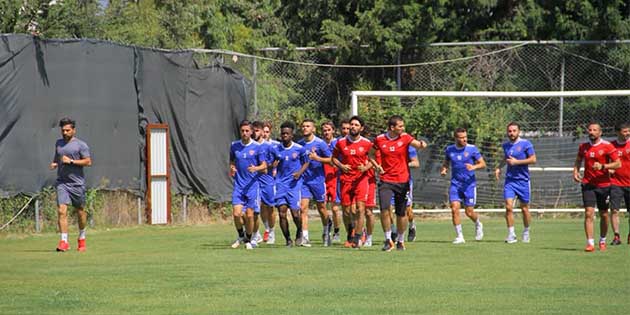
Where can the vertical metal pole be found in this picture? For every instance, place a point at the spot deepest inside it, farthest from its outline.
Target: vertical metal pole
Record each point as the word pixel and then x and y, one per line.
pixel 561 117
pixel 38 226
pixel 355 104
pixel 398 74
pixel 255 70
pixel 185 208
pixel 139 211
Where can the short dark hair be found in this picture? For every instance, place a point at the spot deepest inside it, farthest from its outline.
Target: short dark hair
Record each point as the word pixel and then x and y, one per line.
pixel 267 124
pixel 513 123
pixel 258 124
pixel 67 121
pixel 288 124
pixel 590 123
pixel 459 130
pixel 357 118
pixel 308 120
pixel 328 123
pixel 393 120
pixel 245 122
pixel 344 121
pixel 622 126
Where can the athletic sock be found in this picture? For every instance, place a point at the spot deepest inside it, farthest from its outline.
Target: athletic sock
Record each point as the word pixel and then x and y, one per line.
pixel 511 230
pixel 458 230
pixel 64 237
pixel 82 234
pixel 617 235
pixel 401 237
pixel 305 234
pixel 478 222
pixel 591 242
pixel 248 237
pixel 241 232
pixel 266 223
pixel 388 234
pixel 602 239
pixel 337 230
pixel 526 230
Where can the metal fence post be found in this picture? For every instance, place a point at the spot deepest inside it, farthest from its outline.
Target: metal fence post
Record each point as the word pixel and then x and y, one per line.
pixel 38 226
pixel 185 209
pixel 561 117
pixel 398 74
pixel 254 88
pixel 139 211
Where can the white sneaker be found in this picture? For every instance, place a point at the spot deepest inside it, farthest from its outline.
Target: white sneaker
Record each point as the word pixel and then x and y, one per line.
pixel 258 238
pixel 479 235
pixel 249 245
pixel 459 240
pixel 525 237
pixel 511 239
pixel 368 242
pixel 237 243
pixel 336 238
pixel 305 242
pixel 272 237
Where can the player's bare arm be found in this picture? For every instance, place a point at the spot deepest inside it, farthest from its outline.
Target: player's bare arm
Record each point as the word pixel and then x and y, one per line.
pixel 479 164
pixel 513 161
pixel 81 162
pixel 497 170
pixel 302 169
pixel 414 163
pixel 444 168
pixel 419 144
pixel 258 168
pixel 608 166
pixel 313 156
pixel 576 169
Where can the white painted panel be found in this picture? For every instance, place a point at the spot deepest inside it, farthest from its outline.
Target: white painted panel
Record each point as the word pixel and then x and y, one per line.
pixel 158 151
pixel 159 200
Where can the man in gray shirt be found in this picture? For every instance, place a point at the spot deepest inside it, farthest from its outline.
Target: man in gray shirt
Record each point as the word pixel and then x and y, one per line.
pixel 71 155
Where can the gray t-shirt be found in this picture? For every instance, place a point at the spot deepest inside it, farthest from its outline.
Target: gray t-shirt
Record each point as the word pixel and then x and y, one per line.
pixel 70 174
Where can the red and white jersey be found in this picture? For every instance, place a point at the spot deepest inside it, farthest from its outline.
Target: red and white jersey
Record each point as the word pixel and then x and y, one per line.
pixel 353 153
pixel 621 176
pixel 394 157
pixel 602 152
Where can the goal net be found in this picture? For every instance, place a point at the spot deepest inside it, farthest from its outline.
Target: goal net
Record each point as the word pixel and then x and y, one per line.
pixel 555 122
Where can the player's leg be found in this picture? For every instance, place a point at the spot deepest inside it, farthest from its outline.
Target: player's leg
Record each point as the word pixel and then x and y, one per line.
pixel 63 200
pixel 400 205
pixel 82 218
pixel 590 201
pixel 347 200
pixel 411 233
pixel 319 192
pixel 626 197
pixel 385 194
pixel 237 216
pixel 602 194
pixel 455 201
pixel 249 228
pixel 284 224
pixel 527 219
pixel 359 221
pixel 509 195
pixel 294 198
pixel 369 225
pixel 616 196
pixel 304 204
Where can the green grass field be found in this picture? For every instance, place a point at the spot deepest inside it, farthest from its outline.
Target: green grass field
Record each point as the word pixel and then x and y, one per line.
pixel 192 270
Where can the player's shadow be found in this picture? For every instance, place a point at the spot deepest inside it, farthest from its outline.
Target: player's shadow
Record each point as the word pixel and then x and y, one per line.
pixel 564 249
pixel 37 251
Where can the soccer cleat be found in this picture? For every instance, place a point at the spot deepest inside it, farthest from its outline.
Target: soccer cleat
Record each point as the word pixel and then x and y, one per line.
pixel 237 243
pixel 336 238
pixel 459 240
pixel 589 248
pixel 388 245
pixel 81 247
pixel 616 240
pixel 305 242
pixel 327 240
pixel 63 246
pixel 249 245
pixel 358 243
pixel 272 238
pixel 479 232
pixel 511 239
pixel 400 246
pixel 368 242
pixel 257 238
pixel 526 237
pixel 347 244
pixel 363 238
pixel 266 236
pixel 411 236
pixel 298 241
pixel 289 243
pixel 602 246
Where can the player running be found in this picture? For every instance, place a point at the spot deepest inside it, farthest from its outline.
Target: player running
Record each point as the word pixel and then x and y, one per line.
pixel 268 197
pixel 331 174
pixel 620 180
pixel 267 186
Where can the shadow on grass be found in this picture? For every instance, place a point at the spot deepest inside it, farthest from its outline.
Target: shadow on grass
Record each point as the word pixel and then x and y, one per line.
pixel 564 249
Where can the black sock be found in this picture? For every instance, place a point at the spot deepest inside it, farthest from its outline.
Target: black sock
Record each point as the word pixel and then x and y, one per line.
pixel 248 237
pixel 241 232
pixel 336 230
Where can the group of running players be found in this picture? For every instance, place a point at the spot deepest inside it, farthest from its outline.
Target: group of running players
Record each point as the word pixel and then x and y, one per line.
pixel 345 171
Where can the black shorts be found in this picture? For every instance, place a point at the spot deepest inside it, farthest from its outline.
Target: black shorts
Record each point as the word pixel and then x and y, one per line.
pixel 399 191
pixel 618 194
pixel 593 196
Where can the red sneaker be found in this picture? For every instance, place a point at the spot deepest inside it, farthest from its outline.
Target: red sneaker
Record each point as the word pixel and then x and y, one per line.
pixel 81 246
pixel 63 246
pixel 602 246
pixel 266 236
pixel 347 244
pixel 589 248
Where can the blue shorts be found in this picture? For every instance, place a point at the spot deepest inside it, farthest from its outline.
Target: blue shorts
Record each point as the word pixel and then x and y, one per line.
pixel 248 198
pixel 268 194
pixel 314 190
pixel 67 194
pixel 520 189
pixel 463 194
pixel 289 197
pixel 409 195
pixel 338 197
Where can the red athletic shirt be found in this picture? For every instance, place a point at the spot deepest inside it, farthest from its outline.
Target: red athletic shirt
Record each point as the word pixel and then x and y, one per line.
pixel 602 152
pixel 353 154
pixel 621 176
pixel 394 157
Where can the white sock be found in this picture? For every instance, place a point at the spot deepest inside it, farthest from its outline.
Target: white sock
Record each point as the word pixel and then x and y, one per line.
pixel 478 222
pixel 388 234
pixel 602 239
pixel 82 234
pixel 266 223
pixel 305 234
pixel 511 230
pixel 64 237
pixel 590 241
pixel 401 237
pixel 369 237
pixel 526 230
pixel 413 225
pixel 458 230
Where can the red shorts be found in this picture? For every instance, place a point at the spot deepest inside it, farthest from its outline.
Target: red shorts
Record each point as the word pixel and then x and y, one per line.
pixel 371 194
pixel 331 190
pixel 356 191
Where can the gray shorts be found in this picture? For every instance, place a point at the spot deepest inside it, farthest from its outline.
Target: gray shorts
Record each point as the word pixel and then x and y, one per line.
pixel 74 195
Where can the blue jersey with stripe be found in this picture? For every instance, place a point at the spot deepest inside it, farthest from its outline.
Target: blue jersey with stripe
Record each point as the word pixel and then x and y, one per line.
pixel 521 149
pixel 269 156
pixel 244 156
pixel 290 160
pixel 459 157
pixel 315 171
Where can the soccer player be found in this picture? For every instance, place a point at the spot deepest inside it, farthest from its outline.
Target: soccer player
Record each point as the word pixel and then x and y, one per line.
pixel 314 185
pixel 620 179
pixel 394 174
pixel 518 154
pixel 292 161
pixel 464 159
pixel 344 128
pixel 266 212
pixel 247 159
pixel 351 157
pixel 332 178
pixel 71 156
pixel 267 186
pixel 413 163
pixel 598 156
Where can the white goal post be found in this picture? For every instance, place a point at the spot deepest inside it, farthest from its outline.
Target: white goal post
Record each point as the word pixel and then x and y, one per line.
pixel 491 94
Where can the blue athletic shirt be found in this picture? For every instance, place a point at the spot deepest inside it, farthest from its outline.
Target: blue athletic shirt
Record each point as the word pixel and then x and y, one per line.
pixel 412 153
pixel 244 156
pixel 315 171
pixel 267 179
pixel 521 150
pixel 290 160
pixel 459 157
